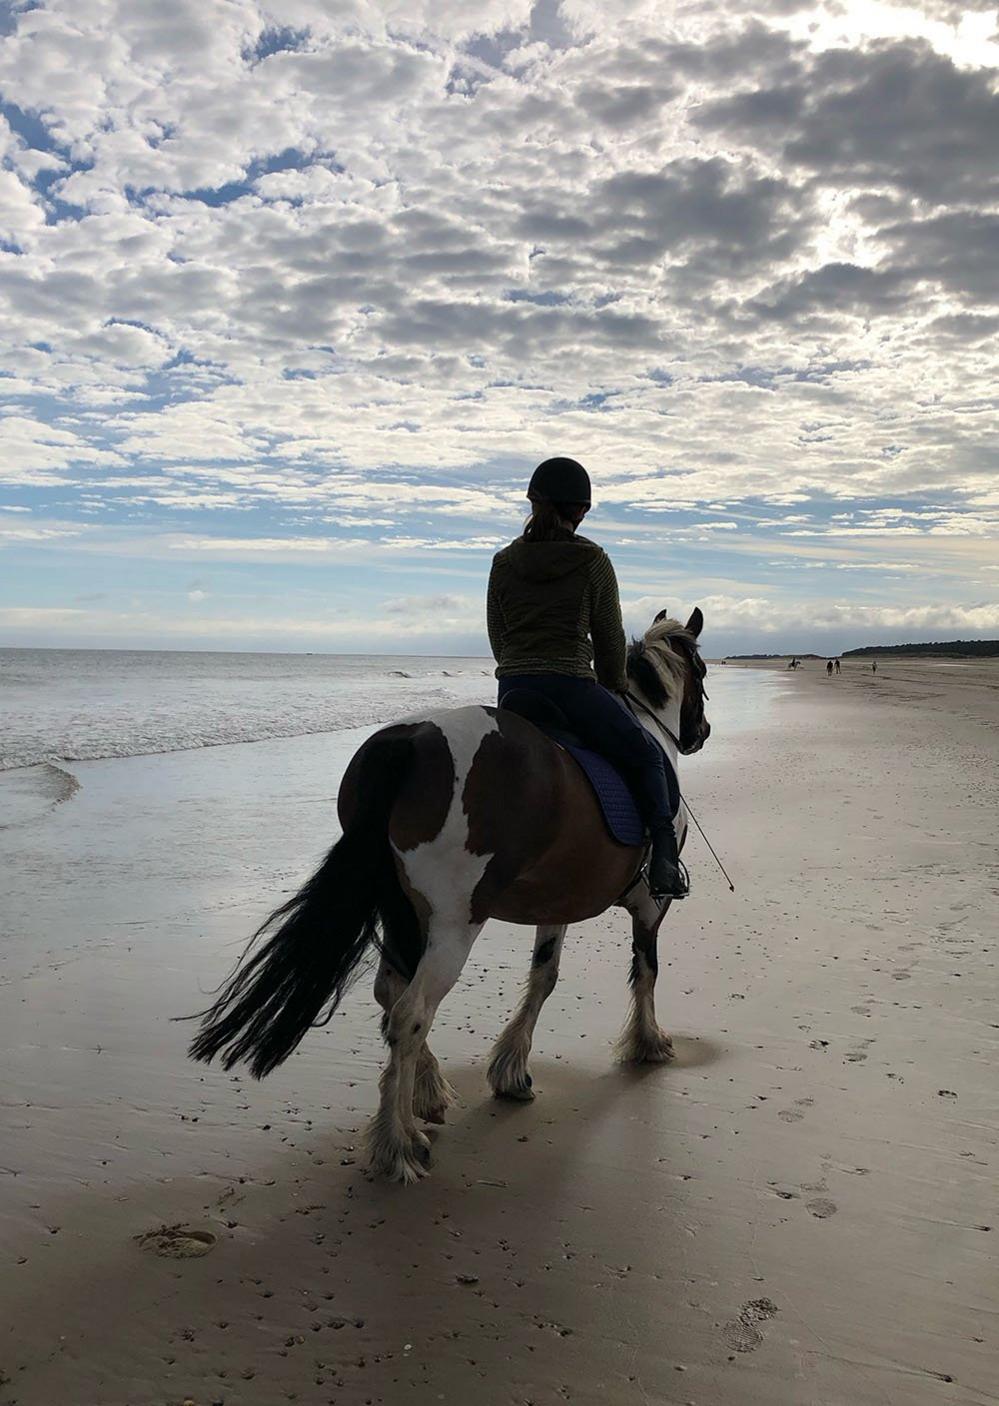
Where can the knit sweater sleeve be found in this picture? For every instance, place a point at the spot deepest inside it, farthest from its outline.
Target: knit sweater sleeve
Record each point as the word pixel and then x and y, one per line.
pixel 606 628
pixel 495 623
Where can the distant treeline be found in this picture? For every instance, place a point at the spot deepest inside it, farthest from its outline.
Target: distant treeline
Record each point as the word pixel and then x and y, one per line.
pixel 775 656
pixel 961 649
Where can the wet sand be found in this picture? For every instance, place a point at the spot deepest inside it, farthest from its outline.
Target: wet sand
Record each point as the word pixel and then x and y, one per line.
pixel 800 1209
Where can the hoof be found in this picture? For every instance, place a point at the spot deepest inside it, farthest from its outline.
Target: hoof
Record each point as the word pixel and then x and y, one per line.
pixel 402 1167
pixel 508 1078
pixel 404 1162
pixel 647 1049
pixel 519 1093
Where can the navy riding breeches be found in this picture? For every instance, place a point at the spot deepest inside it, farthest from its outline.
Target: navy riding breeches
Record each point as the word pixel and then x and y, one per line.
pixel 602 721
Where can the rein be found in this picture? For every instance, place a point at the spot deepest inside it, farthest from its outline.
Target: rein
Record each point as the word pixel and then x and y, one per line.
pixel 637 703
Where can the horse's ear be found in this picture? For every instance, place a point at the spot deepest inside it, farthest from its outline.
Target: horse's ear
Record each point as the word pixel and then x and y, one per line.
pixel 663 615
pixel 696 622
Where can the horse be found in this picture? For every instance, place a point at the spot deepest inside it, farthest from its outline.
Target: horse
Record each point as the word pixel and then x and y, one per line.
pixel 450 819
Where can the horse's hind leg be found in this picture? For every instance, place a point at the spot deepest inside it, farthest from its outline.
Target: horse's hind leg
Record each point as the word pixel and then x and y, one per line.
pixel 432 1094
pixel 508 1076
pixel 396 1147
pixel 643 1041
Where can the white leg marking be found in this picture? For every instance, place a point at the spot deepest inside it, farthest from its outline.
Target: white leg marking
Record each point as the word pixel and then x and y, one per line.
pixel 642 1040
pixel 433 1095
pixel 396 1147
pixel 507 1074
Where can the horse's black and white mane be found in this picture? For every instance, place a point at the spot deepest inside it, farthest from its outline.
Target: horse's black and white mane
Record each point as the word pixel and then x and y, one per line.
pixel 654 665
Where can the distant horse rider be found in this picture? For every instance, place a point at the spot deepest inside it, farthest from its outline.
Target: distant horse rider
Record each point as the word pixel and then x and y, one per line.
pixel 552 607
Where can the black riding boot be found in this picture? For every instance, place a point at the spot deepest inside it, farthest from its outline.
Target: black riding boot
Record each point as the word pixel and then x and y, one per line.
pixel 666 878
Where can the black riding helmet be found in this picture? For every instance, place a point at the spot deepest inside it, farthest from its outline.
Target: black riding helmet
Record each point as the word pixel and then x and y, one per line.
pixel 560 481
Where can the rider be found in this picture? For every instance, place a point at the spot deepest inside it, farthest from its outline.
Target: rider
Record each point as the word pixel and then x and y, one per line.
pixel 552 607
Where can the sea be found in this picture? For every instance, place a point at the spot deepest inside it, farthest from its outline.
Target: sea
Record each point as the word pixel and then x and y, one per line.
pixel 66 705
pixel 60 706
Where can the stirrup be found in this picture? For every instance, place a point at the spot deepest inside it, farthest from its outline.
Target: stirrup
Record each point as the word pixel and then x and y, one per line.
pixel 681 869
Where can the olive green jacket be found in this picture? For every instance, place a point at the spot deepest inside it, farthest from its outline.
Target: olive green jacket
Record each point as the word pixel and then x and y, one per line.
pixel 552 608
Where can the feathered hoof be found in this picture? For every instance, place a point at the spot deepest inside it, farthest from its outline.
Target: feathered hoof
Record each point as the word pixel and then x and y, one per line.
pixel 432 1096
pixel 645 1048
pixel 508 1077
pixel 405 1160
pixel 516 1093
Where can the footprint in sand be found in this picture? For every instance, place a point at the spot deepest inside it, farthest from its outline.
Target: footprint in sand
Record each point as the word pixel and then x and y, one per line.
pixel 795 1115
pixel 177 1242
pixel 822 1208
pixel 742 1334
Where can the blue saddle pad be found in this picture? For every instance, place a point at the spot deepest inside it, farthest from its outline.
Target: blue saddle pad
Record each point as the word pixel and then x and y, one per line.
pixel 616 800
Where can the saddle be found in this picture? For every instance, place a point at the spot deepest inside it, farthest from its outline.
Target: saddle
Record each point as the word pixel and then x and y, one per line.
pixel 613 793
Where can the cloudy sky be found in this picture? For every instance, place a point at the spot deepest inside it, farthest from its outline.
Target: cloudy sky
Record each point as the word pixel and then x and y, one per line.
pixel 294 296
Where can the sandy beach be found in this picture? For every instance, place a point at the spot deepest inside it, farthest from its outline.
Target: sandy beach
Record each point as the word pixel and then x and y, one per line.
pixel 800 1211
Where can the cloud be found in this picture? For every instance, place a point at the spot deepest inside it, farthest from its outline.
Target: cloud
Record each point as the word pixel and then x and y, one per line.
pixel 754 616
pixel 896 114
pixel 326 289
pixel 440 609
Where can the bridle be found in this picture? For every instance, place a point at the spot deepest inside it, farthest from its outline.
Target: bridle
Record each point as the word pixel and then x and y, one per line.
pixel 632 701
pixel 635 702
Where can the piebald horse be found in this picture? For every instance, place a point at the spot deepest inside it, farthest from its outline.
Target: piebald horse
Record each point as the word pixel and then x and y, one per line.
pixel 448 820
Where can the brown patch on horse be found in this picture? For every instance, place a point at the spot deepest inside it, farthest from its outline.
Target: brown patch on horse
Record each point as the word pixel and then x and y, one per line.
pixel 553 860
pixel 510 771
pixel 424 795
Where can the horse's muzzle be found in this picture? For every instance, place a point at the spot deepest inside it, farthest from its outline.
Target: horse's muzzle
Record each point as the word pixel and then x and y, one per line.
pixel 698 741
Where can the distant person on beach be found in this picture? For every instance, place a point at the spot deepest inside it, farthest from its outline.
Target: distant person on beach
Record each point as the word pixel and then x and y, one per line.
pixel 552 606
pixel 874 666
pixel 837 666
pixel 828 666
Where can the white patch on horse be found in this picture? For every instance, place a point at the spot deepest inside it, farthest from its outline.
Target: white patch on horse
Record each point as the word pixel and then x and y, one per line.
pixel 443 870
pixel 669 666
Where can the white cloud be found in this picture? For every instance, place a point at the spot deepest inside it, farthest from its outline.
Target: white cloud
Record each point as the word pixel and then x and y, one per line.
pixel 357 270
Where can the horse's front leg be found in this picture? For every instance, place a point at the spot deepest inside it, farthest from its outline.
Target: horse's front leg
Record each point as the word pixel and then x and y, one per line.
pixel 643 1041
pixel 432 1094
pixel 507 1074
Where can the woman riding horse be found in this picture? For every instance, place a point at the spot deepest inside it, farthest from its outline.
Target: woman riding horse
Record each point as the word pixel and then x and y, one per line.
pixel 552 608
pixel 460 815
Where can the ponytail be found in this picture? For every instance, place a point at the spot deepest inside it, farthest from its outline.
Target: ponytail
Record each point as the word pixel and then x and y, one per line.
pixel 549 522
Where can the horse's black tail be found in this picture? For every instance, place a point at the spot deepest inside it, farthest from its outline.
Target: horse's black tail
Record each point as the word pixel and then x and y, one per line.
pixel 299 976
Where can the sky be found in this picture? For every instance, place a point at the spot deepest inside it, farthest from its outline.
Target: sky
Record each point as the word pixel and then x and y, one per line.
pixel 293 297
